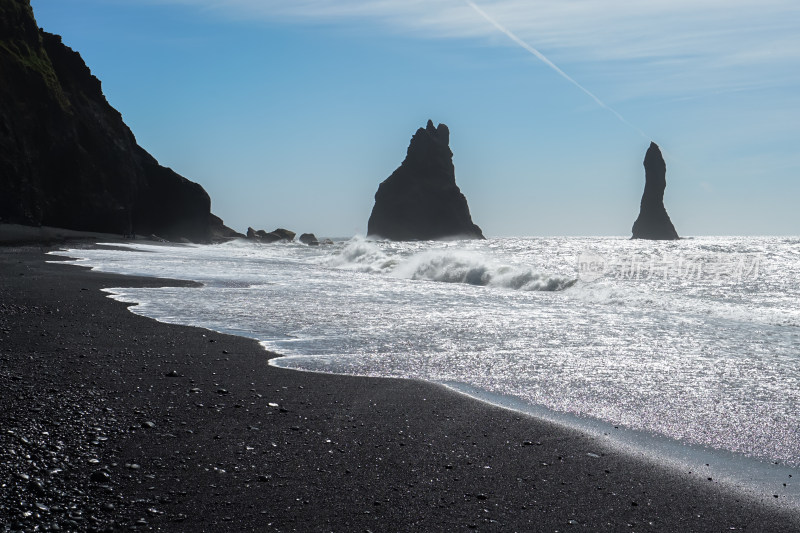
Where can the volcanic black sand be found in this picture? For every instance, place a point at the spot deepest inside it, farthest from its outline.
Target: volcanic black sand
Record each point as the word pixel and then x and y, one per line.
pixel 110 420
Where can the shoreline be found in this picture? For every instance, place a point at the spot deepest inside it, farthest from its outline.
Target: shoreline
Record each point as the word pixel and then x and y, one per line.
pixel 200 433
pixel 758 478
pixel 755 477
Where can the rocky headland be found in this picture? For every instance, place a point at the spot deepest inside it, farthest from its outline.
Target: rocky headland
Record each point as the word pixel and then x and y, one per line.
pixel 653 222
pixel 420 200
pixel 68 160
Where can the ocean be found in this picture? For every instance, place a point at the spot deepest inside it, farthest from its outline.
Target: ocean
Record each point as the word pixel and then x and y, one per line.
pixel 685 347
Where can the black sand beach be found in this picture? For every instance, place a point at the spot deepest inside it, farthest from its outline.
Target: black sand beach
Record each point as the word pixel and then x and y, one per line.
pixel 111 420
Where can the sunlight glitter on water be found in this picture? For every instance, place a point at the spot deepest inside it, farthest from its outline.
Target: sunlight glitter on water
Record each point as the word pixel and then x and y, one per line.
pixel 710 358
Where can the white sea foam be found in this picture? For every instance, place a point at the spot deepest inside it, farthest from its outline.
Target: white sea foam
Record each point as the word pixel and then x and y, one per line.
pixel 709 361
pixel 453 266
pixel 363 256
pixel 446 264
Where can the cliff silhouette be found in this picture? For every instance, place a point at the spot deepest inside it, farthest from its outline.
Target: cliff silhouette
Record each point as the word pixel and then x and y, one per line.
pixel 68 160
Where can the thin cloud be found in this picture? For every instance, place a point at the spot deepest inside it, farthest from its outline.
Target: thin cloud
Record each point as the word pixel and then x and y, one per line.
pixel 707 45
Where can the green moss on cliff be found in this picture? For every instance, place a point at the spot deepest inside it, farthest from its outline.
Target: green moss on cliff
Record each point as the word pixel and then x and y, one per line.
pixel 15 10
pixel 24 46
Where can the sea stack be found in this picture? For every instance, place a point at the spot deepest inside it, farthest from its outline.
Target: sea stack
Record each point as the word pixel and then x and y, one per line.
pixel 653 222
pixel 66 157
pixel 420 200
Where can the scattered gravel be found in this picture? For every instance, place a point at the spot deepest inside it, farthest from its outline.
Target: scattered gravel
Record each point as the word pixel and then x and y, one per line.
pixel 111 421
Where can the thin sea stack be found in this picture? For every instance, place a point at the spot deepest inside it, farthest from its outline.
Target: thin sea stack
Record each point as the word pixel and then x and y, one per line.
pixel 420 200
pixel 653 222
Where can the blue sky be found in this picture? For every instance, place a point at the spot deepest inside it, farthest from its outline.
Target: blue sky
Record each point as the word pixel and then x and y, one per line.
pixel 291 112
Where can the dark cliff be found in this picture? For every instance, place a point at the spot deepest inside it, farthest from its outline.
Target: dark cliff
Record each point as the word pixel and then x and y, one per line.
pixel 420 200
pixel 653 222
pixel 66 157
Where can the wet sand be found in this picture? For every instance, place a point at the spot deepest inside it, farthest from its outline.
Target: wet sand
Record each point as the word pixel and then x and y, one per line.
pixel 113 420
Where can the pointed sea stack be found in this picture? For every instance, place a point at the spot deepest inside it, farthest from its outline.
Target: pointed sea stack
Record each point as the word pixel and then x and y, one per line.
pixel 420 200
pixel 653 222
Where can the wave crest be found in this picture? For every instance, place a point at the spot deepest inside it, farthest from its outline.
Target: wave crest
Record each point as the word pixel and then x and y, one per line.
pixel 445 265
pixel 363 256
pixel 472 269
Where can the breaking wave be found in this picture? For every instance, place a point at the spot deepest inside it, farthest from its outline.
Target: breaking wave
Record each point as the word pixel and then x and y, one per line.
pixel 363 256
pixel 445 265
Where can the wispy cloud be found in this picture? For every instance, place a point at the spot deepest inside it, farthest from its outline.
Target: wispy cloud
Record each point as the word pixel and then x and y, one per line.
pixel 689 46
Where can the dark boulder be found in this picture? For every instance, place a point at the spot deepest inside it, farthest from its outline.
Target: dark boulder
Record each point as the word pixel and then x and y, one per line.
pixel 66 157
pixel 653 221
pixel 309 239
pixel 262 236
pixel 270 237
pixel 285 234
pixel 420 200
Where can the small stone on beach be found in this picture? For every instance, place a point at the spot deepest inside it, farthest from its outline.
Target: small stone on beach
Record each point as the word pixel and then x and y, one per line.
pixel 100 477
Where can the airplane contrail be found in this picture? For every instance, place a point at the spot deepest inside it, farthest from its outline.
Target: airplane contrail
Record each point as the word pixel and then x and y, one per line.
pixel 550 64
